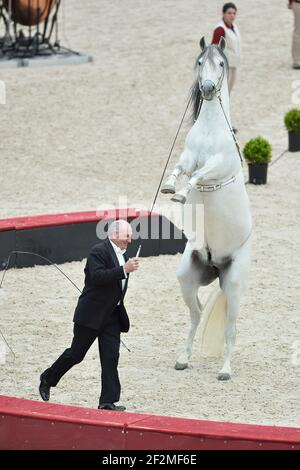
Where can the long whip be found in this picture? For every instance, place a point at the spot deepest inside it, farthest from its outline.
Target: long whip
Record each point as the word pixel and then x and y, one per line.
pixel 51 263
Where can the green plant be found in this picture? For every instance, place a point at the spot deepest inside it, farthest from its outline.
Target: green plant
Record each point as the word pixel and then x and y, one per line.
pixel 257 151
pixel 292 120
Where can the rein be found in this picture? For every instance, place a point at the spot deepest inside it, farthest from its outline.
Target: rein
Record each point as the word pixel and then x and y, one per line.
pixel 218 93
pixel 171 150
pixel 230 128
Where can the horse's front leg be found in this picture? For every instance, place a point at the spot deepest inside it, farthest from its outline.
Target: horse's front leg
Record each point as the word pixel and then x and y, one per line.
pixel 169 186
pixel 211 170
pixel 182 195
pixel 186 165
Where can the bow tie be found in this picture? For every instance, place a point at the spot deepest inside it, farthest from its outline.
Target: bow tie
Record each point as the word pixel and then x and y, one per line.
pixel 118 250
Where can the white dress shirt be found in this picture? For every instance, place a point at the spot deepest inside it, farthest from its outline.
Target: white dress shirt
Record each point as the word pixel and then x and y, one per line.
pixel 121 259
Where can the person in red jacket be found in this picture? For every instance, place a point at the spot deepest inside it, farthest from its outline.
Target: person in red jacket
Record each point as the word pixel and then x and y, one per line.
pixel 230 32
pixel 295 6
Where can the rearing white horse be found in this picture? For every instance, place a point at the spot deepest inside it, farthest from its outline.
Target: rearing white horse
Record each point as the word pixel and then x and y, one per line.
pixel 212 162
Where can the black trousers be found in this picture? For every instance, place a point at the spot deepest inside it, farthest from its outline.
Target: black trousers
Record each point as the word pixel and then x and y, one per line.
pixel 109 346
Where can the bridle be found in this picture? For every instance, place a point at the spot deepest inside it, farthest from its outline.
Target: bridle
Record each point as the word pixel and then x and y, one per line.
pixel 219 83
pixel 230 128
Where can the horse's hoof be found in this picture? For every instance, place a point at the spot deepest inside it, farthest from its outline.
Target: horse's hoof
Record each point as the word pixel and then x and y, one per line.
pixel 223 376
pixel 167 189
pixel 178 198
pixel 179 366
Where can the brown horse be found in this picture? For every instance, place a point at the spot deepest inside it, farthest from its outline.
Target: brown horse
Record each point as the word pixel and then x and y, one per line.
pixel 30 12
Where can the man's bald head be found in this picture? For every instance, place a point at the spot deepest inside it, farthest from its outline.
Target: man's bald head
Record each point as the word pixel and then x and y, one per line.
pixel 120 233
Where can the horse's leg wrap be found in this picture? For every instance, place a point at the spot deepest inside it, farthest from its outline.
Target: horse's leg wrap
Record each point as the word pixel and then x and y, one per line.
pixel 181 196
pixel 169 187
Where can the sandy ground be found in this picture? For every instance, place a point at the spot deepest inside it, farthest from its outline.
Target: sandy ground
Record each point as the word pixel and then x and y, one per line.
pixel 76 138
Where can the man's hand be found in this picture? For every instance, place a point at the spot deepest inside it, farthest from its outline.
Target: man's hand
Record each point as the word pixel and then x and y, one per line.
pixel 290 6
pixel 132 265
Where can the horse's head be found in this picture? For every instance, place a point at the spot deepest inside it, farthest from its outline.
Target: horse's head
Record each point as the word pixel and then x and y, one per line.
pixel 211 65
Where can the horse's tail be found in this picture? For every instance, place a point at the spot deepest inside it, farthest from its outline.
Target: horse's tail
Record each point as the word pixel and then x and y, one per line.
pixel 212 326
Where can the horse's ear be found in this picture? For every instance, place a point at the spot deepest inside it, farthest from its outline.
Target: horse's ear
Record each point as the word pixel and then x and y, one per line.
pixel 202 43
pixel 222 43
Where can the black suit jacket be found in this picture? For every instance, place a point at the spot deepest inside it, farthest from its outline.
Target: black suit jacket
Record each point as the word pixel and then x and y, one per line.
pixel 102 290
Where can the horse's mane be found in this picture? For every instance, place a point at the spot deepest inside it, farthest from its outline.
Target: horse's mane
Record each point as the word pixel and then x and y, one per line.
pixel 195 91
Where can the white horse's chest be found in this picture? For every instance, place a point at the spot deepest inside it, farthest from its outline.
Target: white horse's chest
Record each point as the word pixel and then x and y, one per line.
pixel 205 143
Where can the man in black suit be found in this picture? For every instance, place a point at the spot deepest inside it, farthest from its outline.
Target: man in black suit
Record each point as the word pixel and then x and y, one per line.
pixel 100 313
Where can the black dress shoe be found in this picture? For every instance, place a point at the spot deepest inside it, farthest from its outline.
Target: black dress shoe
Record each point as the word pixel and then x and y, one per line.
pixel 111 407
pixel 44 389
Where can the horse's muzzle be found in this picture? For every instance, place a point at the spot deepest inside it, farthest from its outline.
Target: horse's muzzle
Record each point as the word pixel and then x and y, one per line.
pixel 207 90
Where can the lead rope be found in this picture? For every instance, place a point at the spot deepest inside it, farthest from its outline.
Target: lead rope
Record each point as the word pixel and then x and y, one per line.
pixel 239 152
pixel 231 130
pixel 240 155
pixel 171 151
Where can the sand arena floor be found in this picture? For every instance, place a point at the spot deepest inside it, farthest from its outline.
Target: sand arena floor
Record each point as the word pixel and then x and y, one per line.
pixel 77 138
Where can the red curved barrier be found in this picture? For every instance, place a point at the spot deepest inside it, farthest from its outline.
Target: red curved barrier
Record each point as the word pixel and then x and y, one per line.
pixel 32 425
pixel 69 236
pixel 56 220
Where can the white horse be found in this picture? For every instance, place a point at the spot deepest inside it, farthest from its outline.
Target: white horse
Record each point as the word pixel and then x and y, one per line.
pixel 213 164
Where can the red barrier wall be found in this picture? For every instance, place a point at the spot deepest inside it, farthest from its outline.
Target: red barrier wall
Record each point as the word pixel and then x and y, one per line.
pixel 26 424
pixel 69 237
pixel 55 220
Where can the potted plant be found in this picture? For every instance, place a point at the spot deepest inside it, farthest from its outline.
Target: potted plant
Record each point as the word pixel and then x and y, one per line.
pixel 257 152
pixel 292 123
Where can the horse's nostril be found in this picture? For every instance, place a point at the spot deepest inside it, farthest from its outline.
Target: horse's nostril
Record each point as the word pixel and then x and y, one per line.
pixel 208 87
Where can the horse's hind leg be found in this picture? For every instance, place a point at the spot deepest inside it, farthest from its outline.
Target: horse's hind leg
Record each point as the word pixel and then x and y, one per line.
pixel 233 282
pixel 233 295
pixel 189 287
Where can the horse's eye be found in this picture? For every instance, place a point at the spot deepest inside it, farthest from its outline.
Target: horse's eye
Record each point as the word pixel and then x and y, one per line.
pixel 200 62
pixel 222 64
